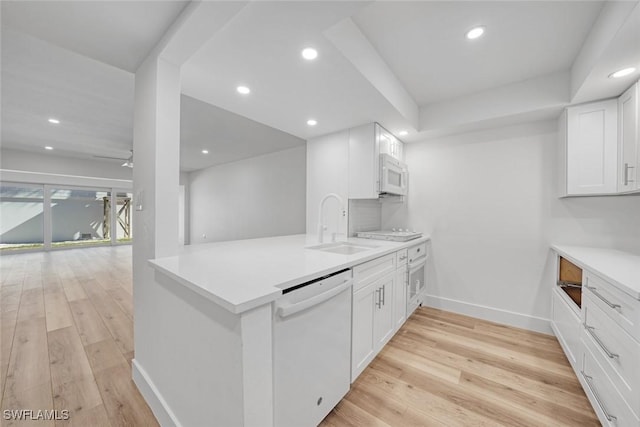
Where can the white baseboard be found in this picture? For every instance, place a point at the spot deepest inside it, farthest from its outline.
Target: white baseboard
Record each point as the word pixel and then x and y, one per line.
pixel 491 314
pixel 154 399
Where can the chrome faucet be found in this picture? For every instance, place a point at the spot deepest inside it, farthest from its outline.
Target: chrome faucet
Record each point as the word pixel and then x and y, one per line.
pixel 341 213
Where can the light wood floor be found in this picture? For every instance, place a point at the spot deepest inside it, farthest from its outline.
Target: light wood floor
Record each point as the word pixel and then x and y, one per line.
pixel 67 337
pixel 443 369
pixel 67 343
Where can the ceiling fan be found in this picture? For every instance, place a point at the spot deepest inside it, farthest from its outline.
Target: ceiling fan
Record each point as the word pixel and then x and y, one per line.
pixel 128 162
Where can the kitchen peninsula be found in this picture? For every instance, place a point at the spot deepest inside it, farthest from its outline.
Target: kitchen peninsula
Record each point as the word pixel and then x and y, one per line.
pixel 208 328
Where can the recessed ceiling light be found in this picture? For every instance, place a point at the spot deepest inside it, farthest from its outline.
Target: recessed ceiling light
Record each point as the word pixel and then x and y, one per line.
pixel 205 151
pixel 403 133
pixel 243 90
pixel 312 122
pixel 309 53
pixel 54 121
pixel 48 147
pixel 622 73
pixel 475 32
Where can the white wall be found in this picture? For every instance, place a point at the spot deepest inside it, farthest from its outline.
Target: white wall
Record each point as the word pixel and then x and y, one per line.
pixel 257 197
pixel 328 172
pixel 488 199
pixel 51 163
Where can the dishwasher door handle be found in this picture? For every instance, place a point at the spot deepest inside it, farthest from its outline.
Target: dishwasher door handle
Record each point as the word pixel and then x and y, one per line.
pixel 286 310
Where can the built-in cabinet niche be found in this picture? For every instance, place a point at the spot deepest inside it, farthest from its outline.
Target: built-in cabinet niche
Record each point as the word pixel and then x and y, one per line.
pixel 599 147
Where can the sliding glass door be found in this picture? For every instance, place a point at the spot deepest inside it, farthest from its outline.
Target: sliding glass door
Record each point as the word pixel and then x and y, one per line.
pixel 21 216
pixel 44 217
pixel 79 217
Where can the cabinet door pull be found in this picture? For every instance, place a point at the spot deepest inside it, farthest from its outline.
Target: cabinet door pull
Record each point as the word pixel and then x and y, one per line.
pixel 606 301
pixel 626 174
pixel 588 379
pixel 383 293
pixel 590 329
pixel 378 300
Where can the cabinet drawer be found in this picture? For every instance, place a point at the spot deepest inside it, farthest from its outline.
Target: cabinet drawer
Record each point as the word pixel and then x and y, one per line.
pixel 569 272
pixel 368 272
pixel 566 326
pixel 402 257
pixel 609 405
pixel 417 252
pixel 616 351
pixel 623 309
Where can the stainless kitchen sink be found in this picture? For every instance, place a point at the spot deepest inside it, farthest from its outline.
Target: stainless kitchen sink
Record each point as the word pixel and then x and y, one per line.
pixel 344 248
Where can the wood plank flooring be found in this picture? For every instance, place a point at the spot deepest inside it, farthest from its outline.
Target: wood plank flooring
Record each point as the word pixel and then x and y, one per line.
pixel 67 342
pixel 444 369
pixel 67 337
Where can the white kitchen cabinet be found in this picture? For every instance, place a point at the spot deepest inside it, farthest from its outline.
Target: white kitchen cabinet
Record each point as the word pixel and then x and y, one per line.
pixel 372 322
pixel 400 290
pixel 362 341
pixel 591 145
pixel 598 329
pixel 629 160
pixel 373 325
pixel 383 317
pixel 366 143
pixel 389 144
pixel 566 327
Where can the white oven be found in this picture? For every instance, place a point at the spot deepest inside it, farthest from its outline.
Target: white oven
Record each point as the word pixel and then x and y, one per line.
pixel 416 286
pixel 393 176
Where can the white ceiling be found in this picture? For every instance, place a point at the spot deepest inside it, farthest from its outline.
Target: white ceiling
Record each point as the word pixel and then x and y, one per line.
pixel 227 136
pixel 260 48
pixel 118 33
pixel 424 42
pixel 74 60
pixel 92 100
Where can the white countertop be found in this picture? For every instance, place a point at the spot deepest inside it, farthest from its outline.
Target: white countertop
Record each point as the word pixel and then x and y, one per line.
pixel 243 274
pixel 622 269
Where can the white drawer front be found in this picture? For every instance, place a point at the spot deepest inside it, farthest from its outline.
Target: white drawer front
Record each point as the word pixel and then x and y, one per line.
pixel 567 328
pixel 368 272
pixel 418 251
pixel 617 352
pixel 402 257
pixel 610 407
pixel 623 309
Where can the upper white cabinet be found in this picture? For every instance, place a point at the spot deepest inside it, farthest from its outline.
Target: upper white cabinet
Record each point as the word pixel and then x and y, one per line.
pixel 591 148
pixel 389 144
pixel 600 147
pixel 366 143
pixel 629 160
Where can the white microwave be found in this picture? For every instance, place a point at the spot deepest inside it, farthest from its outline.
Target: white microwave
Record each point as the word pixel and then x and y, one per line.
pixel 393 176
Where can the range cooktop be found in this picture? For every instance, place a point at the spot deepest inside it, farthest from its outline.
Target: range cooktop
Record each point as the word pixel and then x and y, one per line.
pixel 396 235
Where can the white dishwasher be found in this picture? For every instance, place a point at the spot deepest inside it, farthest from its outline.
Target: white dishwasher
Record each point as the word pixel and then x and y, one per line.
pixel 311 349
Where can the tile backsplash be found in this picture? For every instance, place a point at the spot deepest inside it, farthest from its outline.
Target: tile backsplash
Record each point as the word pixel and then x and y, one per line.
pixel 364 215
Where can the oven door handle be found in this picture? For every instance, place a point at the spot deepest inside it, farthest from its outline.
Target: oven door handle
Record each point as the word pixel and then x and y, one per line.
pixel 285 310
pixel 417 264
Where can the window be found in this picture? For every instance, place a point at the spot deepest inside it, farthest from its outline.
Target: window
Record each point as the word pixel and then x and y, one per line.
pixel 79 217
pixel 42 217
pixel 21 216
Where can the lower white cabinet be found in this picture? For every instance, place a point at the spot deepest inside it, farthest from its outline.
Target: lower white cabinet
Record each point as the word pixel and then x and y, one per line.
pixel 608 403
pixel 566 326
pixel 400 298
pixel 373 321
pixel 600 337
pixel 379 306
